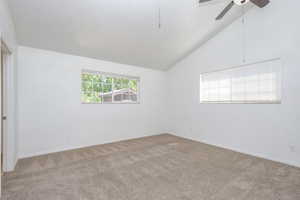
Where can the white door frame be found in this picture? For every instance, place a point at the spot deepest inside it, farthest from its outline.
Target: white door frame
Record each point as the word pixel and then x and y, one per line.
pixel 10 139
pixel 6 65
pixel 0 110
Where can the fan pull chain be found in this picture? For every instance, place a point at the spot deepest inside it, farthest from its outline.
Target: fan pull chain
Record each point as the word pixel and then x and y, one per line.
pixel 243 36
pixel 159 18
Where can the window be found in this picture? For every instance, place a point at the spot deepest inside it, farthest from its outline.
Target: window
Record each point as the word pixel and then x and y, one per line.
pixel 254 83
pixel 98 87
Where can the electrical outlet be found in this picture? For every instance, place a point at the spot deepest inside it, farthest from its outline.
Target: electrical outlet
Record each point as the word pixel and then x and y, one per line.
pixel 191 130
pixel 292 148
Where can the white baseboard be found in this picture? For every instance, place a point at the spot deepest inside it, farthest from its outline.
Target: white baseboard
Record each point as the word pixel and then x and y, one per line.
pixel 287 162
pixel 73 147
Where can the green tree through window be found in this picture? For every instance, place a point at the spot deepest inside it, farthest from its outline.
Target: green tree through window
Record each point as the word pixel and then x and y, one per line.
pixel 102 88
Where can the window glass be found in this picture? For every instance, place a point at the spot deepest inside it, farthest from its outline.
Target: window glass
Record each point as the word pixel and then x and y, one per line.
pixel 99 87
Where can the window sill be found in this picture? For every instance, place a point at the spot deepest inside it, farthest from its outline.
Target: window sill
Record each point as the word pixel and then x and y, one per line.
pixel 241 102
pixel 112 103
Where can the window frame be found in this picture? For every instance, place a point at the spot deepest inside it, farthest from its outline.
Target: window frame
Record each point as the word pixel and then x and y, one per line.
pixel 246 102
pixel 111 75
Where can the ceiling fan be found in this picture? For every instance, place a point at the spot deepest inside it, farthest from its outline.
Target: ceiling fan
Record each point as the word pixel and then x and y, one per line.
pixel 259 3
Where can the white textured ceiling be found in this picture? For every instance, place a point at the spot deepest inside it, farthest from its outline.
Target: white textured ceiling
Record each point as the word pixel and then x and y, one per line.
pixel 123 31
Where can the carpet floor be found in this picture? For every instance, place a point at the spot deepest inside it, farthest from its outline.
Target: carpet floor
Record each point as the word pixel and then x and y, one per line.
pixel 162 167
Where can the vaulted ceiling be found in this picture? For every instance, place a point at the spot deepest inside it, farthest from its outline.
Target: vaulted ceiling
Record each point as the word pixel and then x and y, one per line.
pixel 123 31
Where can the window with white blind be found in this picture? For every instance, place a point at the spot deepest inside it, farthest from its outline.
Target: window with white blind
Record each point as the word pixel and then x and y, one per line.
pixel 100 87
pixel 253 83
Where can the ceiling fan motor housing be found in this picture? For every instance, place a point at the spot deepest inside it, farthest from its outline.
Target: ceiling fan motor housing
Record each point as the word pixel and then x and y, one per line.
pixel 240 2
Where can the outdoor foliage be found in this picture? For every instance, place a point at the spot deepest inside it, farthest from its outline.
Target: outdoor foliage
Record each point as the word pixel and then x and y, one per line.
pixel 93 86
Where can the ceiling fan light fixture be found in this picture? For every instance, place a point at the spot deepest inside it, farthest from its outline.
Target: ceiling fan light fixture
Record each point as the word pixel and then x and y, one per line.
pixel 258 3
pixel 240 2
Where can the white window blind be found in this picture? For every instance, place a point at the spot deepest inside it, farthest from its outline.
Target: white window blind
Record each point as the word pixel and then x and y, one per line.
pixel 253 83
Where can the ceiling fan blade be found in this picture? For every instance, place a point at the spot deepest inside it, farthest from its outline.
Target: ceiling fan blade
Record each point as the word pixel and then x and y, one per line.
pixel 223 13
pixel 260 3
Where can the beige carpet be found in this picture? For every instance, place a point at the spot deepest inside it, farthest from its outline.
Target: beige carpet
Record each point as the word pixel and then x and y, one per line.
pixel 161 167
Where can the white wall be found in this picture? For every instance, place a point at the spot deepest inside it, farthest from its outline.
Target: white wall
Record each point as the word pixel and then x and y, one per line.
pixel 52 118
pixel 270 131
pixel 7 32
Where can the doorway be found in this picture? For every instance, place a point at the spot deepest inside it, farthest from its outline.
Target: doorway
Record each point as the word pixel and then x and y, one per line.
pixel 5 56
